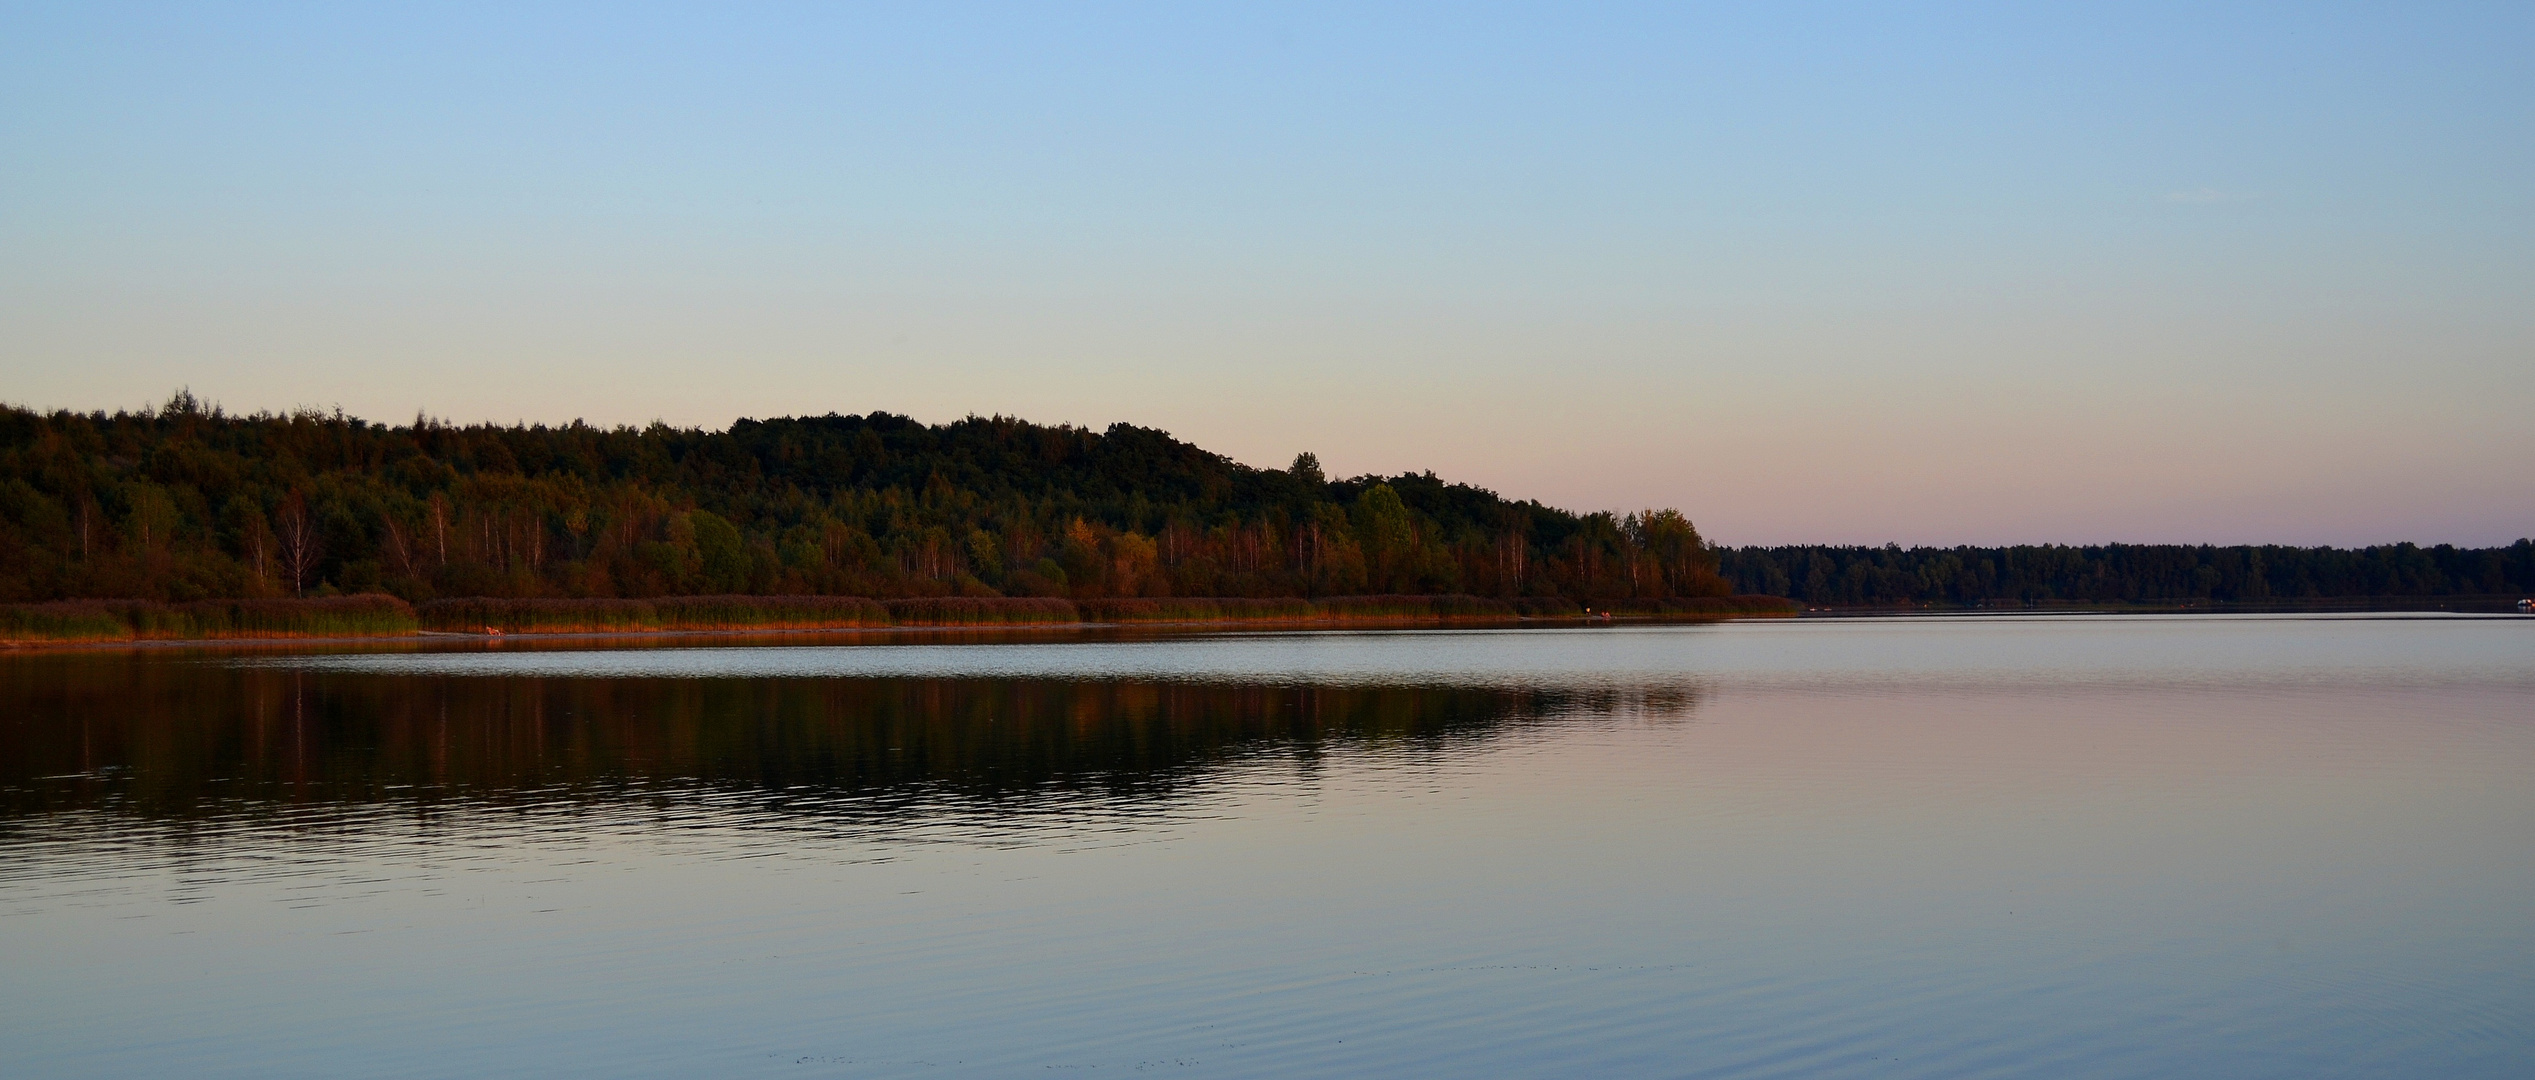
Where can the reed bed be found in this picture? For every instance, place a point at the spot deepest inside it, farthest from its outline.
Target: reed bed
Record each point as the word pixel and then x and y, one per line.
pixel 64 620
pixel 1546 607
pixel 1454 606
pixel 1198 609
pixel 73 621
pixel 981 611
pixel 481 615
pixel 492 614
pixel 770 612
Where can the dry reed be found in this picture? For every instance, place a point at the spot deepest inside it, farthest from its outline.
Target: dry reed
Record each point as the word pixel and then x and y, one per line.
pixel 72 621
pixel 481 615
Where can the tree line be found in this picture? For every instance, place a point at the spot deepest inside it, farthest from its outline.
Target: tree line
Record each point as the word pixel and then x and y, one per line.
pixel 2124 573
pixel 187 502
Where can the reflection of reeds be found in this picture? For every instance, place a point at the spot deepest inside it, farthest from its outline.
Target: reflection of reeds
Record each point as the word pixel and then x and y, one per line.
pixel 1696 606
pixel 142 620
pixel 1349 609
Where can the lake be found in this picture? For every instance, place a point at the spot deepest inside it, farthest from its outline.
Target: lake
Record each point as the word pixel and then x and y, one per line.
pixel 2064 846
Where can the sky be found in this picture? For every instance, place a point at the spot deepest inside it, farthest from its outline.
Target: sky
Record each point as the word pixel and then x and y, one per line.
pixel 1923 274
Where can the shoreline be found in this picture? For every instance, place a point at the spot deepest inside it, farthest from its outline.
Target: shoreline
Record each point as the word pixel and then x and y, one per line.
pixel 2473 604
pixel 985 623
pixel 453 637
pixel 772 635
pixel 1001 630
pixel 380 618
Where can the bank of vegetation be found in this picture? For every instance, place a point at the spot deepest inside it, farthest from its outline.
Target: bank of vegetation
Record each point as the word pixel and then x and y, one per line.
pixel 2151 574
pixel 546 615
pixel 204 620
pixel 850 521
pixel 185 503
pixel 375 615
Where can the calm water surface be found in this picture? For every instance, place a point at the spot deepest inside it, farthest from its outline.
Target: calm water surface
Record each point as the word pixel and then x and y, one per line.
pixel 2138 846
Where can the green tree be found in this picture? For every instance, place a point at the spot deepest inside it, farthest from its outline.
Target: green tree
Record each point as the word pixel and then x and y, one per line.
pixel 1680 554
pixel 1388 534
pixel 1332 561
pixel 985 555
pixel 150 518
pixel 721 553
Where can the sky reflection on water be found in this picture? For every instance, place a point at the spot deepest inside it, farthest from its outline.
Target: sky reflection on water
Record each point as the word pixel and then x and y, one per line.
pixel 2260 651
pixel 2279 847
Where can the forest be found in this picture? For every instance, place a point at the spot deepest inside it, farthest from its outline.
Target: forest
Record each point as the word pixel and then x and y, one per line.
pixel 185 503
pixel 1893 576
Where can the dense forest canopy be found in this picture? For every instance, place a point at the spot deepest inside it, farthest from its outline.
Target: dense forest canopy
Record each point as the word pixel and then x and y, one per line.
pixel 185 502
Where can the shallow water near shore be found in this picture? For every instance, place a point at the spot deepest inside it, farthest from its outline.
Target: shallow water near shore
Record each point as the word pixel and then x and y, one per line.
pixel 2005 846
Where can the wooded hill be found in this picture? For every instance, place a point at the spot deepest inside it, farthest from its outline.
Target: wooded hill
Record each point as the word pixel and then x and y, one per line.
pixel 185 503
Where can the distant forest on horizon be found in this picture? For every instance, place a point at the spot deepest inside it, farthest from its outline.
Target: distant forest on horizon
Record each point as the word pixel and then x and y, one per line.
pixel 186 502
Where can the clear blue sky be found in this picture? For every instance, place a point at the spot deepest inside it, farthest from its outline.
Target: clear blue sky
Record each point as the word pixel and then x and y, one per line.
pixel 1844 273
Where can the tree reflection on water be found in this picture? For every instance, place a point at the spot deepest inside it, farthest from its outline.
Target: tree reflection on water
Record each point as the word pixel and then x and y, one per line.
pixel 160 738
